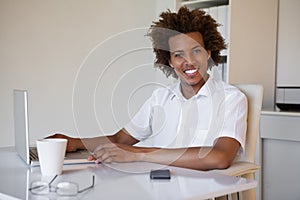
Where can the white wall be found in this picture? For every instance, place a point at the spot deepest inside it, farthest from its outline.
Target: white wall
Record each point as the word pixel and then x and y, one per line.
pixel 42 48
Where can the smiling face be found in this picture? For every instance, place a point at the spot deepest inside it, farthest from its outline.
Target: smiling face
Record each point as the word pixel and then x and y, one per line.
pixel 189 59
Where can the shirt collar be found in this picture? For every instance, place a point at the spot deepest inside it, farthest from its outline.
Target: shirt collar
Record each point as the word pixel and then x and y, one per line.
pixel 204 91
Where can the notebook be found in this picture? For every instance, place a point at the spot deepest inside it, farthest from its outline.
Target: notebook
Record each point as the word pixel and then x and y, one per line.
pixel 22 142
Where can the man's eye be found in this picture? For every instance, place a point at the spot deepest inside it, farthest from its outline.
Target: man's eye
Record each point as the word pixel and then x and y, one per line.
pixel 178 55
pixel 196 51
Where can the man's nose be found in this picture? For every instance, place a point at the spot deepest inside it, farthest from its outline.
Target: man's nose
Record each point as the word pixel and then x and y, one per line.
pixel 189 59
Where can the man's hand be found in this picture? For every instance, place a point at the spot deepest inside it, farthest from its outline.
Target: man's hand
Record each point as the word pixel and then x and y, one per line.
pixel 113 152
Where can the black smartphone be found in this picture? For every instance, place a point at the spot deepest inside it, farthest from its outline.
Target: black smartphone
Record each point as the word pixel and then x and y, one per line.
pixel 160 174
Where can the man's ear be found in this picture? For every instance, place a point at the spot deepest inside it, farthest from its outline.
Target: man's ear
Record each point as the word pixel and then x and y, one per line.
pixel 209 53
pixel 171 64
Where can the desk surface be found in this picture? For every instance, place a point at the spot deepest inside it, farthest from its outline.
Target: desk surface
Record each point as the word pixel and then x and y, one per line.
pixel 119 181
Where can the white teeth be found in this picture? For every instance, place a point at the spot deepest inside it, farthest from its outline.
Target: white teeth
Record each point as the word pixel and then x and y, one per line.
pixel 190 71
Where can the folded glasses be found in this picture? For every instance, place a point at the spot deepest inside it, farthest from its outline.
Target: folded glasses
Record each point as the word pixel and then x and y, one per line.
pixel 62 188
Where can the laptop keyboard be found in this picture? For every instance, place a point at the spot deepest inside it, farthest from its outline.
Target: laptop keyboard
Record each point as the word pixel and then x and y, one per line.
pixel 33 154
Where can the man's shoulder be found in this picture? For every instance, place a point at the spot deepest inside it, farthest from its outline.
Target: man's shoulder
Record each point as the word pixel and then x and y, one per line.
pixel 228 89
pixel 165 92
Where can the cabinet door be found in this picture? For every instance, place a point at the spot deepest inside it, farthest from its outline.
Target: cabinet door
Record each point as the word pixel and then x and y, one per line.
pixel 280 150
pixel 281 172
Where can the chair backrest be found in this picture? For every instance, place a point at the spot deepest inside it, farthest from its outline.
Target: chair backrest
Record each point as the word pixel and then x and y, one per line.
pixel 254 95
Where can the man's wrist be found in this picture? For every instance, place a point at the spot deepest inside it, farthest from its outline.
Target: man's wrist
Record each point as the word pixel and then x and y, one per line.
pixel 140 157
pixel 79 144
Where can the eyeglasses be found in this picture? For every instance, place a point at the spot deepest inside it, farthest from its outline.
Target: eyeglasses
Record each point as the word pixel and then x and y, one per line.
pixel 62 188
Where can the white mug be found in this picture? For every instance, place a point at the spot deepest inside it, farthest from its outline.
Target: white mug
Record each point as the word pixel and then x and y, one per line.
pixel 51 154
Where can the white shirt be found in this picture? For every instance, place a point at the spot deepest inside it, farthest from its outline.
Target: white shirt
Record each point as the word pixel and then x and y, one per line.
pixel 167 119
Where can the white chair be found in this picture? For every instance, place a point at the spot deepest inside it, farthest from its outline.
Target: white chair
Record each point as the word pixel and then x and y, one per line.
pixel 244 165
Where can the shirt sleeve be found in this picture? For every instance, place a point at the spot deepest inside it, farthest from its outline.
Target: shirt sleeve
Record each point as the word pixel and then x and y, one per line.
pixel 139 126
pixel 235 118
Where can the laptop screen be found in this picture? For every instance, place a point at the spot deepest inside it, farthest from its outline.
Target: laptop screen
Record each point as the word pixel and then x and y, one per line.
pixel 21 124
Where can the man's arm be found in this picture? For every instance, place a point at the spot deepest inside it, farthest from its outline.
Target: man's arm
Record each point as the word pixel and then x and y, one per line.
pixel 74 144
pixel 202 158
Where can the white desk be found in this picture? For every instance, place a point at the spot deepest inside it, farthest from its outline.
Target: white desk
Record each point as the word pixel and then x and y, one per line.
pixel 119 181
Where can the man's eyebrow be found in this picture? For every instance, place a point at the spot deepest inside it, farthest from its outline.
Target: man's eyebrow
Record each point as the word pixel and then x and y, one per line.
pixel 197 46
pixel 176 51
pixel 180 51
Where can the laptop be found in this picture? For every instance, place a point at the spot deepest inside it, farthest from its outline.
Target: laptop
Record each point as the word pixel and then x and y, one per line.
pixel 22 142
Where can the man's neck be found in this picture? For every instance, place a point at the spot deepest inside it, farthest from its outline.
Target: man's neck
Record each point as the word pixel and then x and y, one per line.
pixel 188 91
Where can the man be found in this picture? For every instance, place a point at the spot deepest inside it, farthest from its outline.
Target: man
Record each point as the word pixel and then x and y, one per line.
pixel 199 122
